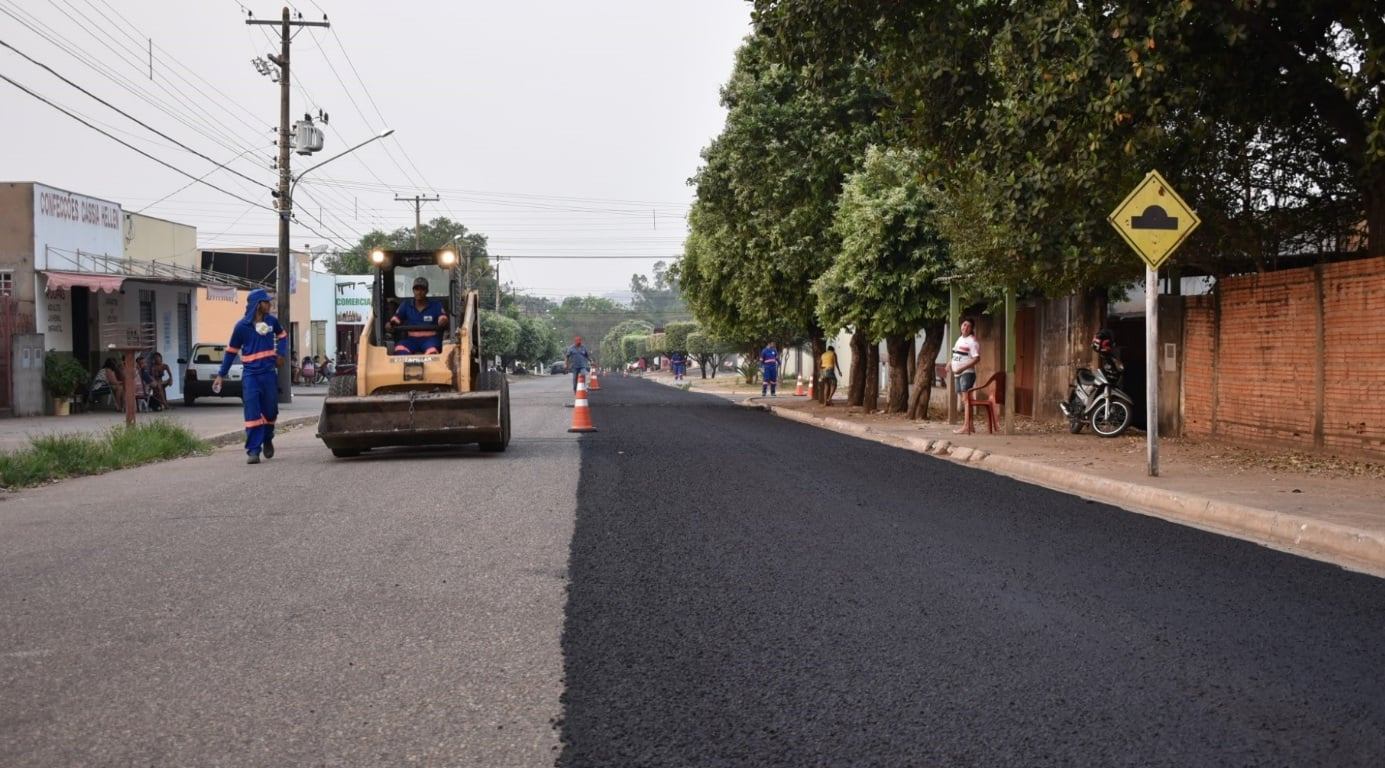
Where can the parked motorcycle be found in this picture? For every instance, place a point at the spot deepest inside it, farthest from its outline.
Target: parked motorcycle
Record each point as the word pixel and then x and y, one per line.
pixel 1095 397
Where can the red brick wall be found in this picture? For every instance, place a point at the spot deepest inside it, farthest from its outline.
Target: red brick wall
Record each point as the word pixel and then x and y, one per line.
pixel 1252 359
pixel 1354 359
pixel 1199 348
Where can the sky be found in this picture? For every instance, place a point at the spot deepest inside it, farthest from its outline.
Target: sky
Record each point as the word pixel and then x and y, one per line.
pixel 564 131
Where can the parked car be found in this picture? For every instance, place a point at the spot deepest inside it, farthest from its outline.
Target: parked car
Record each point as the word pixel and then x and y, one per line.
pixel 206 361
pixel 557 368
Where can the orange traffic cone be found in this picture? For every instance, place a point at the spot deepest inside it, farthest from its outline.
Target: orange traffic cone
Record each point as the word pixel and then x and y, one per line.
pixel 799 391
pixel 581 412
pixel 596 383
pixel 812 389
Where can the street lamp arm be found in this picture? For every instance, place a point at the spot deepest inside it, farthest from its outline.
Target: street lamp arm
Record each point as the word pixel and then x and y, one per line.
pixel 343 153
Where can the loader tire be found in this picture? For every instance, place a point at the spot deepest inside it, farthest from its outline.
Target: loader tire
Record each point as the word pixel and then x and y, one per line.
pixel 342 386
pixel 504 422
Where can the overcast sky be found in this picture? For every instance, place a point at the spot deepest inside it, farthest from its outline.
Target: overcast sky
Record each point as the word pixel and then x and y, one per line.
pixel 558 128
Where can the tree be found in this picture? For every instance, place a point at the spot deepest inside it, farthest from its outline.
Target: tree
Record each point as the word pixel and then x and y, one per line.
pixel 633 347
pixel 761 224
pixel 612 352
pixel 657 300
pixel 658 344
pixel 677 335
pixel 591 317
pixel 892 257
pixel 499 334
pixel 537 342
pixel 708 351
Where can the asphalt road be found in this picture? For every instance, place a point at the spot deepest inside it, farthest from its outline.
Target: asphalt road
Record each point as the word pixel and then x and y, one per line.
pixel 750 591
pixel 720 588
pixel 400 608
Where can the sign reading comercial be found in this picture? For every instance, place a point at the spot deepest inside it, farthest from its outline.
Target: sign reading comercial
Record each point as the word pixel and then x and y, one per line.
pixel 353 299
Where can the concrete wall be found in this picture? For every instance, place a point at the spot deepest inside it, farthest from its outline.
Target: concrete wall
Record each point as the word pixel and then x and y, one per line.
pixel 1294 358
pixel 216 319
pixel 167 242
pixel 323 301
pixel 17 240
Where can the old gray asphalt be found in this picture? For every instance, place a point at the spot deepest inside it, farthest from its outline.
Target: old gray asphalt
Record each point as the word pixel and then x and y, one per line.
pixel 393 609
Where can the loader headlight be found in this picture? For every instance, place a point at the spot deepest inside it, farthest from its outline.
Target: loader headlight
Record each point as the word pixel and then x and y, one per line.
pixel 447 257
pixel 377 257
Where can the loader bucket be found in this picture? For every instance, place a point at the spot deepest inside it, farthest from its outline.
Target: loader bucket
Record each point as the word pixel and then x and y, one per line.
pixel 350 425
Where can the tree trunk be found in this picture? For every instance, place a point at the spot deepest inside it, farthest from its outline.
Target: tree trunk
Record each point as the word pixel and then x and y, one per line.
pixel 913 366
pixel 818 345
pixel 898 349
pixel 871 399
pixel 856 389
pixel 1375 213
pixel 924 370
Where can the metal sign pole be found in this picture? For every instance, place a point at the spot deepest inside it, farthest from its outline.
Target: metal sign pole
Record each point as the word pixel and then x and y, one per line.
pixel 1152 368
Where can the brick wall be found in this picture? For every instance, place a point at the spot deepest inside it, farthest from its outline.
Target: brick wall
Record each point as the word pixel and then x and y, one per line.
pixel 1294 358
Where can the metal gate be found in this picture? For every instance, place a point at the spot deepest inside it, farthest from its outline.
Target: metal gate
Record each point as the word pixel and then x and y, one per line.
pixel 11 323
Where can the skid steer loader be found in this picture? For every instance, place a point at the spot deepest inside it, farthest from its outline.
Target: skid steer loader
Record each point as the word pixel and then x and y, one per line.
pixel 397 398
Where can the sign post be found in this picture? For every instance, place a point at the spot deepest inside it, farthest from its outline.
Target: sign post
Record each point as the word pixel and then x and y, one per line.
pixel 1154 221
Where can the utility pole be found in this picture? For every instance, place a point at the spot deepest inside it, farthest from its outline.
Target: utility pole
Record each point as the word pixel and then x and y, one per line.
pixel 418 201
pixel 497 283
pixel 282 287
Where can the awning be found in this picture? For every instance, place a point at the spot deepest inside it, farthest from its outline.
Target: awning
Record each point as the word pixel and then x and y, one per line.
pixel 100 283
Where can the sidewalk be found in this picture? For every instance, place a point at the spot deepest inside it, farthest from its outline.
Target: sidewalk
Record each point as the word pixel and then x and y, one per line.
pixel 1311 505
pixel 219 420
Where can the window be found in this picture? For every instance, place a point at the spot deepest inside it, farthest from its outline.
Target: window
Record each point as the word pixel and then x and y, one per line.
pixel 146 317
pixel 6 282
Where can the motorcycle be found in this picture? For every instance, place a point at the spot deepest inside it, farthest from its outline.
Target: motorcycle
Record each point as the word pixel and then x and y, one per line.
pixel 1095 397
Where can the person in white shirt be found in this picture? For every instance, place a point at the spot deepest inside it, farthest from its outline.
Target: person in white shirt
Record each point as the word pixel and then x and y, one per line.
pixel 966 353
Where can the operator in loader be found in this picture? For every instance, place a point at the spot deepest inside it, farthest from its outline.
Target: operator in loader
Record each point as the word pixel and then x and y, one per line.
pixel 421 311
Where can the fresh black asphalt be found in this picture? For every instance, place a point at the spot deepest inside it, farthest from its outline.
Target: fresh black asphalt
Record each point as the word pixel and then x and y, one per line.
pixel 749 591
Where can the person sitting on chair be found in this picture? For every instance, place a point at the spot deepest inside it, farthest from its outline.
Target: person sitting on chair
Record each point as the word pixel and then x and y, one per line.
pixel 421 311
pixel 109 375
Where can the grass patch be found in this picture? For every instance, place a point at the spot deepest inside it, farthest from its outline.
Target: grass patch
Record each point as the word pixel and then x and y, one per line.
pixel 53 457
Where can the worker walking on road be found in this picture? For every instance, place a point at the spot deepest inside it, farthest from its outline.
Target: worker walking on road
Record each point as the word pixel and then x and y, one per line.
pixel 769 370
pixel 578 360
pixel 262 345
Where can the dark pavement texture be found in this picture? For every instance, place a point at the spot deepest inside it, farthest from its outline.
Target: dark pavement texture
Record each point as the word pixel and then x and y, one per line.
pixel 749 591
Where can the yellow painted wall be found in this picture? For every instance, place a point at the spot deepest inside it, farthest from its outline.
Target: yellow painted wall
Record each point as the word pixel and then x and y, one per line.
pixel 167 242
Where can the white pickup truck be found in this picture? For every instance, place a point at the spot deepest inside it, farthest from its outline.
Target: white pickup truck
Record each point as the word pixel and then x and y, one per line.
pixel 206 361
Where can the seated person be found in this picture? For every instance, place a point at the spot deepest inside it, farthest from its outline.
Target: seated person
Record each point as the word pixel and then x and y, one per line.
pixel 109 376
pixel 421 311
pixel 162 379
pixel 143 382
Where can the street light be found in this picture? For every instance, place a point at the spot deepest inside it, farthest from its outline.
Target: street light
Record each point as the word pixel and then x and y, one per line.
pixel 282 284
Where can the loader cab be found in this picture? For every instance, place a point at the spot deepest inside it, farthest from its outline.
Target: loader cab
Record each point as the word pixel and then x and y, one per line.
pixel 395 272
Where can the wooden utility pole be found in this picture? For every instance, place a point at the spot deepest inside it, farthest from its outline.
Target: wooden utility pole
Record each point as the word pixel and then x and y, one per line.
pixel 497 283
pixel 418 201
pixel 283 286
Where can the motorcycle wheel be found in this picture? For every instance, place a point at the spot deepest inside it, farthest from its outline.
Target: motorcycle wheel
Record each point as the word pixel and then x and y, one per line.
pixel 1111 419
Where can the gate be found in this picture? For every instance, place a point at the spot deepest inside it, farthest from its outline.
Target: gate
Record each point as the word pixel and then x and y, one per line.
pixel 11 324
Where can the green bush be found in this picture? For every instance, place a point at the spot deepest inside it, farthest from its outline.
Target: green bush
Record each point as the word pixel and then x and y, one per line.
pixel 658 344
pixel 53 457
pixel 676 336
pixel 63 375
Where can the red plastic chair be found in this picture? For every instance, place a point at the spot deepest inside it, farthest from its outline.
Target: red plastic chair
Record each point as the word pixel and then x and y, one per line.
pixel 991 402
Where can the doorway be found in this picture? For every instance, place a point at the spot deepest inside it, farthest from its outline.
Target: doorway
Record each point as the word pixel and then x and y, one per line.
pixel 1026 360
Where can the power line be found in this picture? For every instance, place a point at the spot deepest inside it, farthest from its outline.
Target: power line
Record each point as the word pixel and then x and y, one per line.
pixel 132 118
pixel 122 142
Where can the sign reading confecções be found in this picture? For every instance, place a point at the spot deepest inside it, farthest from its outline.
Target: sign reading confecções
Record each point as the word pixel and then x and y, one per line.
pixel 65 223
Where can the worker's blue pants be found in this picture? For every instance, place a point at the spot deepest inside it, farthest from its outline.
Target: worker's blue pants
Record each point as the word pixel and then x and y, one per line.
pixel 260 392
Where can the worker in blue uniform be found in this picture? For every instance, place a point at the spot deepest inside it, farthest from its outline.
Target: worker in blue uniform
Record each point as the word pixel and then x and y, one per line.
pixel 769 370
pixel 262 344
pixel 421 311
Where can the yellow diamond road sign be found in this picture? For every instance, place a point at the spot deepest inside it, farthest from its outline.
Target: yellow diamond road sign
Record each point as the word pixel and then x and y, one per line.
pixel 1154 220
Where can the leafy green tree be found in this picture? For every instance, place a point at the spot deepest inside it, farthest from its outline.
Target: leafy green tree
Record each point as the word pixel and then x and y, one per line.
pixel 657 299
pixel 612 350
pixel 499 334
pixel 709 351
pixel 761 224
pixel 658 344
pixel 886 276
pixel 591 317
pixel 537 342
pixel 677 335
pixel 633 347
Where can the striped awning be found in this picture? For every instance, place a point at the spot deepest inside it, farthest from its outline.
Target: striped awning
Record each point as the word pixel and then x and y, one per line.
pixel 62 281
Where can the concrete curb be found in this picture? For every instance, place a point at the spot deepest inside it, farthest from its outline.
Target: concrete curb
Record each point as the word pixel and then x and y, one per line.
pixel 223 439
pixel 1351 548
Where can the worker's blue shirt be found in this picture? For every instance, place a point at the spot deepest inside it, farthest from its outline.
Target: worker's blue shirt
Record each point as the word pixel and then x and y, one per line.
pixel 409 314
pixel 257 344
pixel 678 358
pixel 579 359
pixel 769 356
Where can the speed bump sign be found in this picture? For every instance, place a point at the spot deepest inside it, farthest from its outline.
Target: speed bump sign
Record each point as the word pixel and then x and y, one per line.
pixel 1154 220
